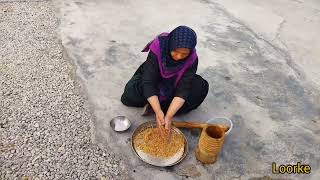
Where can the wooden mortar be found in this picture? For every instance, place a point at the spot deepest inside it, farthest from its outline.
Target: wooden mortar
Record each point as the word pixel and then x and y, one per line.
pixel 210 142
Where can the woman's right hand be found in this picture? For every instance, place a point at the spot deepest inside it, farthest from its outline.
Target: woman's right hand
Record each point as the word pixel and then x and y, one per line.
pixel 155 104
pixel 160 118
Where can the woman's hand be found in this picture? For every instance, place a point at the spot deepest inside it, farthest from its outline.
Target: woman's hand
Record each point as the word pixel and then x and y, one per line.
pixel 155 104
pixel 168 122
pixel 160 118
pixel 175 105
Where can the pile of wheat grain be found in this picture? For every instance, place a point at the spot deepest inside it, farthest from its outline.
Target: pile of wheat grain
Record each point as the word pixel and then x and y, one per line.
pixel 159 142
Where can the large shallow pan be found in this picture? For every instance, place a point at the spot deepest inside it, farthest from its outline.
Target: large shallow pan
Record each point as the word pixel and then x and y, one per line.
pixel 155 161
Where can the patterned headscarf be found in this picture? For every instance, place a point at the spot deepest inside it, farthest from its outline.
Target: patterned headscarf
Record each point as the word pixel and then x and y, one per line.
pixel 180 37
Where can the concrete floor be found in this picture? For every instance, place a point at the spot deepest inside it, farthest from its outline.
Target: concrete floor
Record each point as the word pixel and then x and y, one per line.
pixel 260 58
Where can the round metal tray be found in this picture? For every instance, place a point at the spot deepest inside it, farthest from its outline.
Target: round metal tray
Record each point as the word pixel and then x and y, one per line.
pixel 151 160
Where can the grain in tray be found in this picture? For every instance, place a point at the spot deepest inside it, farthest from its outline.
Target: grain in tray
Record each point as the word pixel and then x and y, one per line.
pixel 158 142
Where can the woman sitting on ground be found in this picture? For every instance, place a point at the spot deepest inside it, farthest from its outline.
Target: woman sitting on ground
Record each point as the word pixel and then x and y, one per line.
pixel 167 80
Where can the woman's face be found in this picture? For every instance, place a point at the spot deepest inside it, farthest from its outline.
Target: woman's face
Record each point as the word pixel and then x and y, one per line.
pixel 180 53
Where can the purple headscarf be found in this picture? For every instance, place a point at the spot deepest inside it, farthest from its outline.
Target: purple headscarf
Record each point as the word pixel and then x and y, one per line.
pixel 161 46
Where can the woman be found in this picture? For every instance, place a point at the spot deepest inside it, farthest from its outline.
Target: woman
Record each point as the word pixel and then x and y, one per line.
pixel 167 80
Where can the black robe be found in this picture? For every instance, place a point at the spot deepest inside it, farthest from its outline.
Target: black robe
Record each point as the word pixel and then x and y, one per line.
pixel 145 83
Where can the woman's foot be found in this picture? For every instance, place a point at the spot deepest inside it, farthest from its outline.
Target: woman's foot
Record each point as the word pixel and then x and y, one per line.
pixel 147 110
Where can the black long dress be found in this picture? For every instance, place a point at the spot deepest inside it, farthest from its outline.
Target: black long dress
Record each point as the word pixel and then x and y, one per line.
pixel 144 84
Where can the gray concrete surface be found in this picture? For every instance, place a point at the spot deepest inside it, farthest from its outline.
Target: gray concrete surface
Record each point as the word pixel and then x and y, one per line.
pixel 45 123
pixel 260 58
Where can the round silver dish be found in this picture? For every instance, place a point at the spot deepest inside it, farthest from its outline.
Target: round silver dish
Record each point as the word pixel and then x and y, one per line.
pixel 120 123
pixel 151 160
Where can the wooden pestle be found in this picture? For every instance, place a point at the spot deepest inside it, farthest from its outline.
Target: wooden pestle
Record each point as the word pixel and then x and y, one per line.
pixel 184 124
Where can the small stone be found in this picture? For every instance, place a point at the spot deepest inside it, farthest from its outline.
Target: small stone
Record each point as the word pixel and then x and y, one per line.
pixel 104 178
pixel 8 93
pixel 108 164
pixel 61 149
pixel 40 113
pixel 14 167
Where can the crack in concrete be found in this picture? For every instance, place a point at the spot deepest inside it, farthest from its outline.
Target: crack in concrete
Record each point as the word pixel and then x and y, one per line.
pixel 302 2
pixel 279 30
pixel 277 37
pixel 283 52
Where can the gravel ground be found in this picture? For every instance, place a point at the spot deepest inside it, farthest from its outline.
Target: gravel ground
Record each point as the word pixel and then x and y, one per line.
pixel 44 119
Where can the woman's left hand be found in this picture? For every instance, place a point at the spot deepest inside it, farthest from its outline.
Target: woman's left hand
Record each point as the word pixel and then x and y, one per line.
pixel 167 121
pixel 175 105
